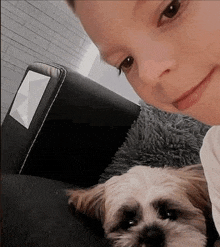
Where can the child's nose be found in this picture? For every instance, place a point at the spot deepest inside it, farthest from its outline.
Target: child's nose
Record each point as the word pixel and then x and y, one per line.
pixel 153 72
pixel 156 63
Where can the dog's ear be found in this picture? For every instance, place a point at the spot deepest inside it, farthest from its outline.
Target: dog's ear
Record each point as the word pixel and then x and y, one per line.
pixel 197 191
pixel 89 201
pixel 196 186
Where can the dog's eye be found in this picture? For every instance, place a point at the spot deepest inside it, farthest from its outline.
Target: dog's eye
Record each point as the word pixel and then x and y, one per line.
pixel 125 225
pixel 128 217
pixel 170 214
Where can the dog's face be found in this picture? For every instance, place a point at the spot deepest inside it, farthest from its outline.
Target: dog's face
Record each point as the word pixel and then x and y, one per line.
pixel 150 207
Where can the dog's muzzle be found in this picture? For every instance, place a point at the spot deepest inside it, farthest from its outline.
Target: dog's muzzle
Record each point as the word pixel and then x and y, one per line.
pixel 152 236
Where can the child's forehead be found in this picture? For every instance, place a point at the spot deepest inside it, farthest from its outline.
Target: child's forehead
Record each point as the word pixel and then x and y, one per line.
pixel 115 6
pixel 115 9
pixel 101 18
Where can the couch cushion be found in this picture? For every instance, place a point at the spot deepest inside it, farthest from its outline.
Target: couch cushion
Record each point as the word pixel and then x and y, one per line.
pixel 36 213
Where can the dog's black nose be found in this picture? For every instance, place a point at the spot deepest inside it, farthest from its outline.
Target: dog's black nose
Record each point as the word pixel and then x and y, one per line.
pixel 152 236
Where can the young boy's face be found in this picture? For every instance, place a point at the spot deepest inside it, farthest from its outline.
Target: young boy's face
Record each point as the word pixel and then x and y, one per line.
pixel 168 50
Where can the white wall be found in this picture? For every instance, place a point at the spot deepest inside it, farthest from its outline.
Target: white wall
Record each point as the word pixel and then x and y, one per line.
pixel 37 30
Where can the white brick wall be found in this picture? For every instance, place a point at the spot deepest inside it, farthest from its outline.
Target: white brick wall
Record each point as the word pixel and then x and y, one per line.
pixel 33 30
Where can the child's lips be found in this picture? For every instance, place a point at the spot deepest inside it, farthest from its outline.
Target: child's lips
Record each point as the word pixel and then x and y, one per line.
pixel 193 95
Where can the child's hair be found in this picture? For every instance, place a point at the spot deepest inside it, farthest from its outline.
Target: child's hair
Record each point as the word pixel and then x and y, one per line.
pixel 71 4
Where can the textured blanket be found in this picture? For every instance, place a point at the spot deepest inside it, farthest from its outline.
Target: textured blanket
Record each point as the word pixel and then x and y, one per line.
pixel 158 139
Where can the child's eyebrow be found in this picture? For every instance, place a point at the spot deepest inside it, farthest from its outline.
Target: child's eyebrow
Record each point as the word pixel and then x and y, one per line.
pixel 105 54
pixel 111 51
pixel 138 5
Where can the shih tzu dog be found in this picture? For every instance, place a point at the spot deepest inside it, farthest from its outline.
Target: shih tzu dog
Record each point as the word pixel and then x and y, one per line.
pixel 146 207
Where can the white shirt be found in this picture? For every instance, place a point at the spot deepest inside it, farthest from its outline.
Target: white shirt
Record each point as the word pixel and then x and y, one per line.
pixel 210 158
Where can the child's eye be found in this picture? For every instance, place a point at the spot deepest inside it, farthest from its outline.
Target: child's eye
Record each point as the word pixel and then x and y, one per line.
pixel 171 10
pixel 126 64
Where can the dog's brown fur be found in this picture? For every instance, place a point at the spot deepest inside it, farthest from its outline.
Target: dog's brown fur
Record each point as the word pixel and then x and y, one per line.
pixel 143 190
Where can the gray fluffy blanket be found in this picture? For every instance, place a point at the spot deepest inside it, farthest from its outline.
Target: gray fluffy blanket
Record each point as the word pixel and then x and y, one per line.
pixel 158 139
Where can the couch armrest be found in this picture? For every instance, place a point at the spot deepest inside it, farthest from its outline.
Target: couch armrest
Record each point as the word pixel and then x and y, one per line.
pixel 17 139
pixel 68 97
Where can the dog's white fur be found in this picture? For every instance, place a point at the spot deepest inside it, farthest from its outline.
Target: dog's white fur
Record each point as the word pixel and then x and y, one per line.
pixel 144 188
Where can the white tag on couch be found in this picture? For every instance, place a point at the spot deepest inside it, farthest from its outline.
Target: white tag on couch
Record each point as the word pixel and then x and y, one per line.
pixel 28 97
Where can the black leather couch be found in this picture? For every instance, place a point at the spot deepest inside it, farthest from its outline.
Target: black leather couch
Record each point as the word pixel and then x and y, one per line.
pixel 76 128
